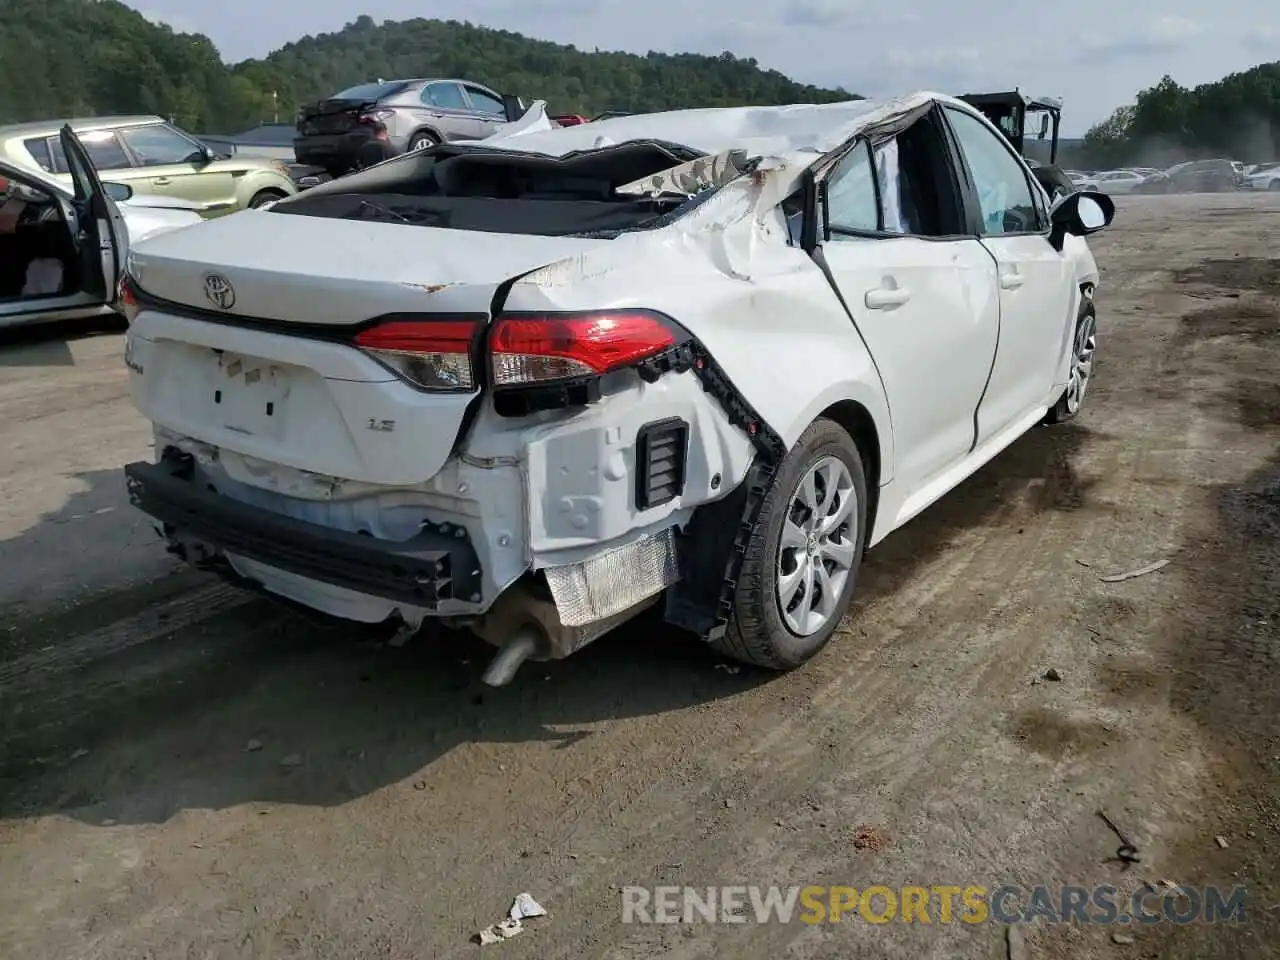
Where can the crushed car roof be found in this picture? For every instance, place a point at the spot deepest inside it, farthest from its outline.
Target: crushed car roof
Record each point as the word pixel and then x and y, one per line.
pixel 798 128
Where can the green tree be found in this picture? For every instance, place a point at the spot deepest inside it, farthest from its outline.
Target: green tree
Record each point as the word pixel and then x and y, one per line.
pixel 1237 117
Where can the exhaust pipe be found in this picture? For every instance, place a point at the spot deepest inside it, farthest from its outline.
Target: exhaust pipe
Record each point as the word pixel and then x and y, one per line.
pixel 514 652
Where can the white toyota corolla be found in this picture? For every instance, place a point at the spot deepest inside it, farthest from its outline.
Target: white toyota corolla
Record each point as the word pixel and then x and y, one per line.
pixel 535 384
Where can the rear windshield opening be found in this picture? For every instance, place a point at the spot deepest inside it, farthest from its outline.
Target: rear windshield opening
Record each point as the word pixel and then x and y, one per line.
pixel 370 91
pixel 498 191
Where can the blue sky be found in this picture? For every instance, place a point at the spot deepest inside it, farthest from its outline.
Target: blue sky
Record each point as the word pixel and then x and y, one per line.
pixel 1095 54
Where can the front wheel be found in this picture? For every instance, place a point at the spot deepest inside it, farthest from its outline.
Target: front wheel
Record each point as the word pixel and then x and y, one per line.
pixel 801 563
pixel 1083 346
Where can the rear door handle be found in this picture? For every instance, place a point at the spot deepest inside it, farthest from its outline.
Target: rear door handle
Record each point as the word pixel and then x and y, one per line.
pixel 884 298
pixel 1012 279
pixel 161 181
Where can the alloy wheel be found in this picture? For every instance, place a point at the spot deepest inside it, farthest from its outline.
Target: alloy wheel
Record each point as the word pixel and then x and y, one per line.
pixel 1082 362
pixel 816 548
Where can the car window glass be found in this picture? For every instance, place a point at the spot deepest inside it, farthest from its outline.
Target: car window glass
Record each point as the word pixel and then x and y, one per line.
pixel 103 147
pixel 39 150
pixel 448 96
pixel 851 194
pixel 485 103
pixel 371 91
pixel 156 146
pixel 1004 194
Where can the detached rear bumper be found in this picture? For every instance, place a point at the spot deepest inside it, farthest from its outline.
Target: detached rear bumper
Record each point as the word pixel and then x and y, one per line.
pixel 434 566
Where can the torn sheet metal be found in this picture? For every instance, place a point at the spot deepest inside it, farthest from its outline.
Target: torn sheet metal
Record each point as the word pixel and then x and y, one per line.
pixel 760 131
pixel 535 120
pixel 690 178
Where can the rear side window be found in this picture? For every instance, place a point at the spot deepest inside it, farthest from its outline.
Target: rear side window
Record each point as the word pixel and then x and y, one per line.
pixel 371 91
pixel 157 145
pixel 851 194
pixel 103 147
pixel 39 150
pixel 447 96
pixel 485 103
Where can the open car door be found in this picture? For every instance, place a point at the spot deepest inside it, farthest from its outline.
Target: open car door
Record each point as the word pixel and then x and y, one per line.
pixel 101 237
pixel 513 107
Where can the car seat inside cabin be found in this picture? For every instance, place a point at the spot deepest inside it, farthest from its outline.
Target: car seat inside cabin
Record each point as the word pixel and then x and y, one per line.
pixel 37 254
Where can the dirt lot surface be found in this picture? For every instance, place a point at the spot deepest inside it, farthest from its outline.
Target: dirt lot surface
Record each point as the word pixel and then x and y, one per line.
pixel 189 772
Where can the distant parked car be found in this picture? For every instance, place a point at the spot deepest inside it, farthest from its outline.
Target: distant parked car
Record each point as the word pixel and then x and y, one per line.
pixel 152 157
pixel 1265 176
pixel 1082 180
pixel 1205 176
pixel 1154 181
pixel 1117 182
pixel 418 113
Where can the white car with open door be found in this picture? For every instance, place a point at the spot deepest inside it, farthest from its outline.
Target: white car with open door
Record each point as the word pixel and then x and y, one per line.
pixel 62 251
pixel 536 384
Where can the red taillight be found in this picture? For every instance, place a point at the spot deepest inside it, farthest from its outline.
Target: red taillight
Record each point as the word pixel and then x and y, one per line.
pixel 128 298
pixel 542 348
pixel 373 116
pixel 569 119
pixel 432 354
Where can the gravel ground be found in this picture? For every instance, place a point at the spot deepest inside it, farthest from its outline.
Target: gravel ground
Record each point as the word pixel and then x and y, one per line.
pixel 186 771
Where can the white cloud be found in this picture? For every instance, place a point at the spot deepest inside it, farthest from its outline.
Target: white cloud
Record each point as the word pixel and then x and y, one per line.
pixel 1173 30
pixel 1263 39
pixel 1160 36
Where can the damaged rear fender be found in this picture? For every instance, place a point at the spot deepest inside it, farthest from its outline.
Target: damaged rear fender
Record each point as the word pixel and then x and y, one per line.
pixel 772 322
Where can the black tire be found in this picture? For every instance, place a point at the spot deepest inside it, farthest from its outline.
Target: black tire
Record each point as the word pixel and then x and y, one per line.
pixel 1084 336
pixel 757 634
pixel 422 139
pixel 1275 185
pixel 263 197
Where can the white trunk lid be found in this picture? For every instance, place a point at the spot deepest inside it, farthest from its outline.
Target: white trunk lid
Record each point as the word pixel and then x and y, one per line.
pixel 326 271
pixel 310 401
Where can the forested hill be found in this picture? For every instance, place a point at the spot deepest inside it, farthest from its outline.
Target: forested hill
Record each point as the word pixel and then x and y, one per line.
pixel 1236 117
pixel 85 57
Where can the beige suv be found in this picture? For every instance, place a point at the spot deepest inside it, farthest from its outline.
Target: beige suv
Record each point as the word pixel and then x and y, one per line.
pixel 154 158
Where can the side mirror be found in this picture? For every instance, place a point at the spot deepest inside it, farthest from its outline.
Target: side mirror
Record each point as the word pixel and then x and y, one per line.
pixel 1081 213
pixel 119 192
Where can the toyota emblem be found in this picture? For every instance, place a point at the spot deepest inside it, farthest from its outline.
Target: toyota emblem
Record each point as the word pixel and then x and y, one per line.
pixel 219 292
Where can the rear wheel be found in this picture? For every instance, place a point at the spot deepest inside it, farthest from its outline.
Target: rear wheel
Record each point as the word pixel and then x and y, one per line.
pixel 422 140
pixel 263 197
pixel 802 560
pixel 1083 346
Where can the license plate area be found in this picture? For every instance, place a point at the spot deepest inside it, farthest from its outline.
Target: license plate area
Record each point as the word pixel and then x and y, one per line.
pixel 249 394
